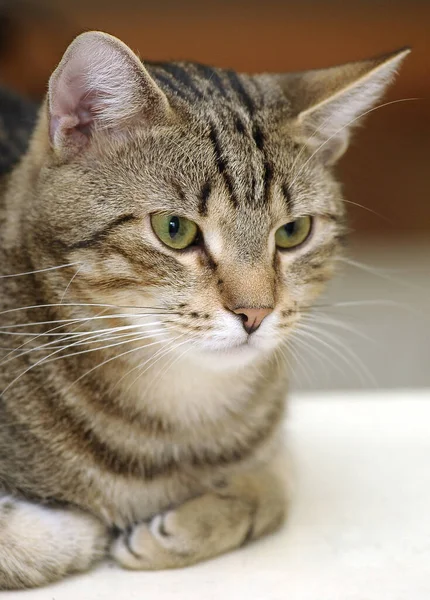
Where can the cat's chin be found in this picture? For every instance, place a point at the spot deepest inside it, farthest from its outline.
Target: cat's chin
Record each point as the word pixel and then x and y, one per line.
pixel 231 356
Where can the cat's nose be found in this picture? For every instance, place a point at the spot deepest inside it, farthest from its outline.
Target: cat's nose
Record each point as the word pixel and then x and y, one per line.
pixel 252 317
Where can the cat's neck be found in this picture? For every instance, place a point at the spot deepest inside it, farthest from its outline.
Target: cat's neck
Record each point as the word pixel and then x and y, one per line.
pixel 197 390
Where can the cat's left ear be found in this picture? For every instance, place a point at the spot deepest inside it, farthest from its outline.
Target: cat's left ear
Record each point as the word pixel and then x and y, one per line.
pixel 100 85
pixel 328 103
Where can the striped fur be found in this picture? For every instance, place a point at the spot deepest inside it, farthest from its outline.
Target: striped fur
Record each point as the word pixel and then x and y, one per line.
pixel 135 411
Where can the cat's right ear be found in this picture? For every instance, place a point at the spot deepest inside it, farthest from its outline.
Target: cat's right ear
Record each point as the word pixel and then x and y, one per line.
pixel 100 85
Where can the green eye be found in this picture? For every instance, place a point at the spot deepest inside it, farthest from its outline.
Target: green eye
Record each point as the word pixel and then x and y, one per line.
pixel 294 233
pixel 176 232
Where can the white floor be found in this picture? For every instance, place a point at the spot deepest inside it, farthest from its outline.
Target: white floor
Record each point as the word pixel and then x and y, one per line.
pixel 359 527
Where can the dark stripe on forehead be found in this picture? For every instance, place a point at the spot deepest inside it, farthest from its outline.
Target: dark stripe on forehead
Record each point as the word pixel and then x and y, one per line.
pixel 240 127
pixel 268 177
pixel 99 236
pixel 222 166
pixel 258 136
pixel 212 77
pixel 241 92
pixel 181 75
pixel 166 83
pixel 179 191
pixel 203 199
pixel 259 139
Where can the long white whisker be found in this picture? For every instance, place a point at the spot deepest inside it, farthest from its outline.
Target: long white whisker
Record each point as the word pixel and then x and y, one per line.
pixel 31 367
pixel 105 362
pixel 297 360
pixel 39 270
pixel 74 321
pixel 339 354
pixel 170 365
pixel 91 335
pixel 378 272
pixel 317 352
pixel 154 358
pixel 373 302
pixel 323 320
pixel 347 125
pixel 150 335
pixel 319 355
pixel 319 330
pixel 86 304
pixel 41 334
pixel 70 283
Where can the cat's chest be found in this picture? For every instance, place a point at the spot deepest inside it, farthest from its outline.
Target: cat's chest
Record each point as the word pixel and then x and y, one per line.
pixel 219 424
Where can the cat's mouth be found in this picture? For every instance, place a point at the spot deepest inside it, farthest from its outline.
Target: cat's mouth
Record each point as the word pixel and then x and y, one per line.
pixel 246 345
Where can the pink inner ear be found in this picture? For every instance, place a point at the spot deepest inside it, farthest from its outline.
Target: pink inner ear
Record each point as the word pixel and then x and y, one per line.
pixel 99 82
pixel 71 105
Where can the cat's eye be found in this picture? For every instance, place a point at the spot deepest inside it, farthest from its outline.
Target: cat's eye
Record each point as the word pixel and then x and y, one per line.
pixel 176 232
pixel 294 233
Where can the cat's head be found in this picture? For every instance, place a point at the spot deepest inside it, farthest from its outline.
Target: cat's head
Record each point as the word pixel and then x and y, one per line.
pixel 198 191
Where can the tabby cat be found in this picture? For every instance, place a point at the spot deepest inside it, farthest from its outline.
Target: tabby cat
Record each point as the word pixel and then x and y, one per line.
pixel 161 237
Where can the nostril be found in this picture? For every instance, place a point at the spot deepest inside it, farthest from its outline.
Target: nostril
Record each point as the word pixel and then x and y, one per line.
pixel 251 327
pixel 251 317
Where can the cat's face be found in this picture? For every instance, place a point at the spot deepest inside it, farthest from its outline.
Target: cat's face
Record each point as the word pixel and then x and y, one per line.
pixel 213 207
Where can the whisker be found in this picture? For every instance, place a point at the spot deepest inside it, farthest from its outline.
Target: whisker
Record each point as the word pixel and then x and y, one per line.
pixel 161 310
pixel 175 360
pixel 155 358
pixel 49 331
pixel 373 302
pixel 322 358
pixel 105 347
pixel 31 367
pixel 324 320
pixel 297 360
pixel 315 329
pixel 105 362
pixel 93 335
pixel 364 370
pixel 39 270
pixel 383 273
pixel 170 365
pixel 370 110
pixel 69 284
pixel 368 209
pixel 77 320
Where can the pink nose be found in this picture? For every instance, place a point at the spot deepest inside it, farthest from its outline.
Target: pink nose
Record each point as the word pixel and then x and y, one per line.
pixel 252 317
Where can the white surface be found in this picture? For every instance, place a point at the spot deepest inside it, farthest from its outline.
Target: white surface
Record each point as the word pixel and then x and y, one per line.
pixel 359 527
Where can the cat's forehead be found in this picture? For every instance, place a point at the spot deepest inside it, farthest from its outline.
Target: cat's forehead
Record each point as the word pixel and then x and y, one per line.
pixel 219 145
pixel 227 156
pixel 216 166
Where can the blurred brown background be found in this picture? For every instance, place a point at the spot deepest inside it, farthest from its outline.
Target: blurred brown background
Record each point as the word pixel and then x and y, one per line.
pixel 387 168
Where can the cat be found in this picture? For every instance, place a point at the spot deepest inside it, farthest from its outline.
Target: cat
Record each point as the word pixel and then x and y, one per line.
pixel 163 234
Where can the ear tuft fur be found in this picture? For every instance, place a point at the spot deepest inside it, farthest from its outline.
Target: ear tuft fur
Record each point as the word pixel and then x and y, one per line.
pixel 99 84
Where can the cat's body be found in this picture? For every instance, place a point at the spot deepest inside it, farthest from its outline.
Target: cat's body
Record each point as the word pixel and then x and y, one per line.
pixel 187 420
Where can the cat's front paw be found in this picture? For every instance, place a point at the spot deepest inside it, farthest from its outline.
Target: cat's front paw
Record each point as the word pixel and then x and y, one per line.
pixel 153 545
pixel 196 530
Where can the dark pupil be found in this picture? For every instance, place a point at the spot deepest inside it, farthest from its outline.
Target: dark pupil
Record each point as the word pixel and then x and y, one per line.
pixel 290 228
pixel 173 226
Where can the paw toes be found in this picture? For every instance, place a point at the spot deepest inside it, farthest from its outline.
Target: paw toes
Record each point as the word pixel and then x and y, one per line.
pixel 129 548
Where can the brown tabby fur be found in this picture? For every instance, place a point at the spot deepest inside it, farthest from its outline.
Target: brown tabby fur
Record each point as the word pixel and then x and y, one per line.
pixel 178 460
